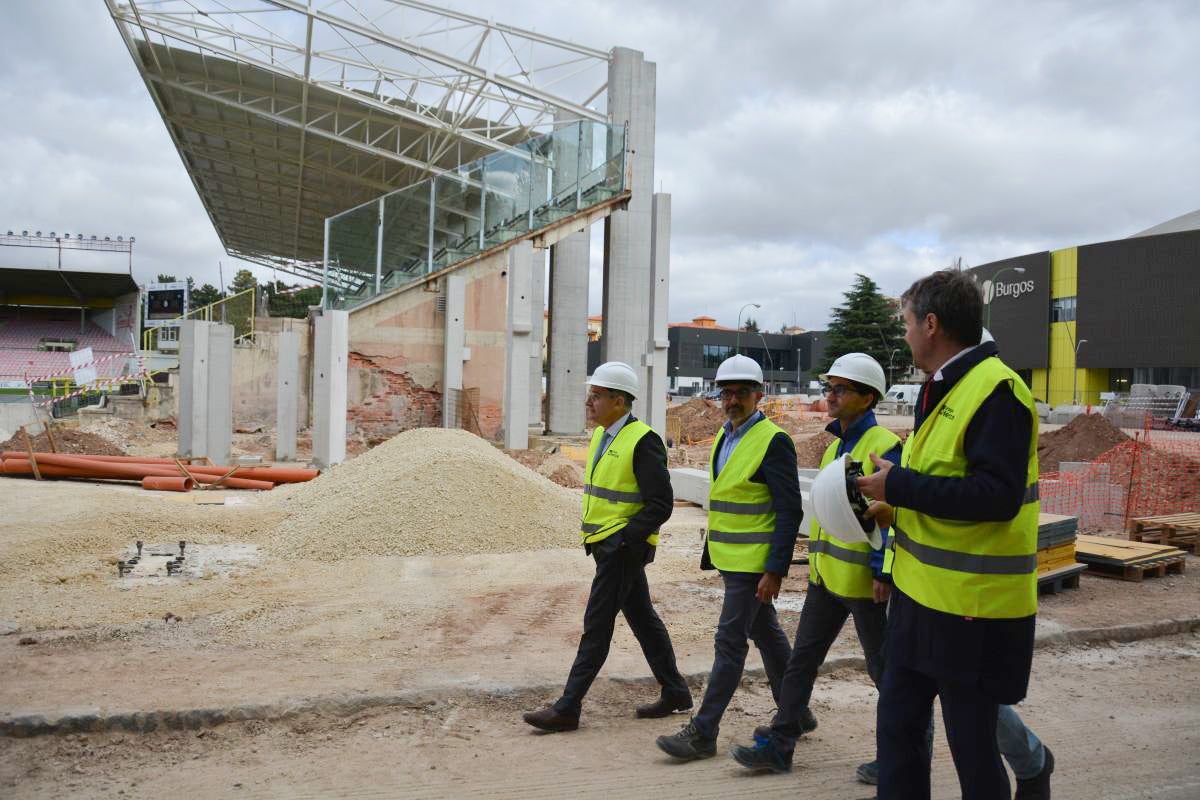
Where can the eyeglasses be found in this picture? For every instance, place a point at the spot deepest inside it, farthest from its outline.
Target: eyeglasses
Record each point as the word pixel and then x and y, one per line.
pixel 837 390
pixel 740 393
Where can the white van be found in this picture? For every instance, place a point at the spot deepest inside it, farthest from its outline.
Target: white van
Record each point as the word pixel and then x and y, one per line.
pixel 899 399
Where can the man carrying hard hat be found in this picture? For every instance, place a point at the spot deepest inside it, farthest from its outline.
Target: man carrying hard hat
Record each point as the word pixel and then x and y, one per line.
pixel 626 498
pixel 846 578
pixel 963 509
pixel 754 512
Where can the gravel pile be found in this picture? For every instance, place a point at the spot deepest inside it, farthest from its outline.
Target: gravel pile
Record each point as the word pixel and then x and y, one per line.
pixel 427 491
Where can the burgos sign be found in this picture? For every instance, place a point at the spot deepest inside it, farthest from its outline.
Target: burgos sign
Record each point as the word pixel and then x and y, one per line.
pixel 1013 289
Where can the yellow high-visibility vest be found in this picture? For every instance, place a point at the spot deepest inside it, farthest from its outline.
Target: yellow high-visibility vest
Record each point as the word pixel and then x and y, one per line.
pixel 845 567
pixel 611 495
pixel 973 569
pixel 741 516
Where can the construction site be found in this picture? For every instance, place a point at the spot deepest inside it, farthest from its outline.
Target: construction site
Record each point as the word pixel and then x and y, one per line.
pixel 337 553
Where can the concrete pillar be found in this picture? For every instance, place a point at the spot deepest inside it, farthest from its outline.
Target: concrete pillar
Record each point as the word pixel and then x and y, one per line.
pixel 517 330
pixel 654 407
pixel 192 424
pixel 537 325
pixel 631 99
pixel 567 367
pixel 452 355
pixel 220 393
pixel 331 353
pixel 205 424
pixel 287 395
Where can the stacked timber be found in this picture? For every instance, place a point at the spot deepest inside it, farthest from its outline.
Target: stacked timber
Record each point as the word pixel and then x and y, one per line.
pixel 1057 568
pixel 1126 560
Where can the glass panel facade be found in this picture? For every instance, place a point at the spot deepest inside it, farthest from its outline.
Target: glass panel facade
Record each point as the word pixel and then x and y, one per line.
pixel 1062 309
pixel 714 354
pixel 462 212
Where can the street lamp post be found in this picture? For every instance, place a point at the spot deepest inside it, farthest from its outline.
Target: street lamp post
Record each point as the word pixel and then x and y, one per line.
pixel 995 279
pixel 737 347
pixel 770 360
pixel 891 357
pixel 1075 374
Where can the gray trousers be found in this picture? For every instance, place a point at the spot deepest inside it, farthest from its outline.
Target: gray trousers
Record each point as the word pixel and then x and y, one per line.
pixel 743 619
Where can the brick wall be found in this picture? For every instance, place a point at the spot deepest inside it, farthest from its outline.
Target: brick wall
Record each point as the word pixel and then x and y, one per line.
pixel 385 401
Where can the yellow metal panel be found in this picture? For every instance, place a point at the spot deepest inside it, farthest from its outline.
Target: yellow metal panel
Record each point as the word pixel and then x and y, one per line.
pixel 1061 377
pixel 1040 384
pixel 1064 272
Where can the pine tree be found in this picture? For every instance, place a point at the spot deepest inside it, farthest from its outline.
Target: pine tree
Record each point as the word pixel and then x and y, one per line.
pixel 868 323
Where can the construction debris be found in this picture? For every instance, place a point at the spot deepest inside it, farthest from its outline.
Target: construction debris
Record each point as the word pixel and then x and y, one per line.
pixel 694 422
pixel 1082 439
pixel 66 440
pixel 1125 560
pixel 426 491
pixel 554 466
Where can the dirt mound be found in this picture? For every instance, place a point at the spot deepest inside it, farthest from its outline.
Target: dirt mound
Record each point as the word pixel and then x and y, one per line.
pixel 66 440
pixel 427 491
pixel 809 450
pixel 554 466
pixel 1082 439
pixel 699 419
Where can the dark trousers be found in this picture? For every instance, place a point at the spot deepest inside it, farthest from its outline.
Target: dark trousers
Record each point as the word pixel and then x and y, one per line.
pixel 743 618
pixel 620 587
pixel 821 621
pixel 905 714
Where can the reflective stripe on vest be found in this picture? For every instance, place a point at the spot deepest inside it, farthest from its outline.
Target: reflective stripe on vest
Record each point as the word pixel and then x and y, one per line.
pixel 741 515
pixel 611 495
pixel 973 569
pixel 845 567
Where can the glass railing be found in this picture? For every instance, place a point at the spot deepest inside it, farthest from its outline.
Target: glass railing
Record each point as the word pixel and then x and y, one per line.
pixel 434 224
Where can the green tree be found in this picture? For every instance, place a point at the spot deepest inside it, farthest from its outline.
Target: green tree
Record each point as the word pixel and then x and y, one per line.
pixel 243 280
pixel 204 295
pixel 868 323
pixel 750 325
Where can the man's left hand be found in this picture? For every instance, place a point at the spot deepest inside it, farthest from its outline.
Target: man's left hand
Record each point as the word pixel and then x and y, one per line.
pixel 874 485
pixel 880 591
pixel 768 587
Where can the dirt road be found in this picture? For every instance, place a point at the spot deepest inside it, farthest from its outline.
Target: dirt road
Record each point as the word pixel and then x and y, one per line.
pixel 1122 721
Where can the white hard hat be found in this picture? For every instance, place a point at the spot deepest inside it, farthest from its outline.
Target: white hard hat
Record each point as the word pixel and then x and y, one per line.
pixel 861 368
pixel 615 375
pixel 986 337
pixel 834 497
pixel 739 368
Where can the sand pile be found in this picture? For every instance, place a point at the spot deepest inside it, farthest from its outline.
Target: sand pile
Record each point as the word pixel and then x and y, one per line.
pixel 1082 439
pixel 66 440
pixel 699 419
pixel 427 491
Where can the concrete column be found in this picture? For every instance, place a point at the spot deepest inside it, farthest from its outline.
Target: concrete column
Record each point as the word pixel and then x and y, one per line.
pixel 537 325
pixel 631 99
pixel 331 353
pixel 452 355
pixel 567 368
pixel 516 367
pixel 205 424
pixel 654 407
pixel 220 393
pixel 287 395
pixel 192 424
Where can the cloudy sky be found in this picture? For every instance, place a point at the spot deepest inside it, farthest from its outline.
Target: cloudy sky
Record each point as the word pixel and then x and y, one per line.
pixel 801 141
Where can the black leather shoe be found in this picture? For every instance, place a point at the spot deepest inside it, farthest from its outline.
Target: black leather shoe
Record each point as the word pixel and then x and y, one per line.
pixel 664 707
pixel 550 720
pixel 763 757
pixel 1037 787
pixel 688 745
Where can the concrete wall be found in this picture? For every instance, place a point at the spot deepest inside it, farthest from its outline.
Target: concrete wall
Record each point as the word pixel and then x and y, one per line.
pixel 255 373
pixel 13 416
pixel 396 351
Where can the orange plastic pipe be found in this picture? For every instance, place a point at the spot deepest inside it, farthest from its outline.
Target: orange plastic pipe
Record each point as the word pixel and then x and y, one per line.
pixel 81 467
pixel 167 484
pixel 272 474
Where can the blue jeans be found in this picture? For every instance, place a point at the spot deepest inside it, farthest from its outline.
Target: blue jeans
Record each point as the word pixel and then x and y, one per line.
pixel 743 618
pixel 1023 751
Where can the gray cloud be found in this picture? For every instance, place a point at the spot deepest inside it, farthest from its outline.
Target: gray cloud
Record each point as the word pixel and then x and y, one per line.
pixel 802 141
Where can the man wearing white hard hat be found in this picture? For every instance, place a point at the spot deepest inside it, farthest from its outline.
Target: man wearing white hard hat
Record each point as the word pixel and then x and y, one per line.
pixel 626 498
pixel 846 577
pixel 754 513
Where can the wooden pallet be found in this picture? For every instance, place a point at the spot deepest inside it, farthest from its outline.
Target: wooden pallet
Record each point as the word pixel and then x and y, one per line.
pixel 1127 560
pixel 1056 580
pixel 1061 555
pixel 1178 530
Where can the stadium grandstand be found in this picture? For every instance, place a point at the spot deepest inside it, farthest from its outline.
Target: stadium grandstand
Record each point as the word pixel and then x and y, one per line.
pixel 63 295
